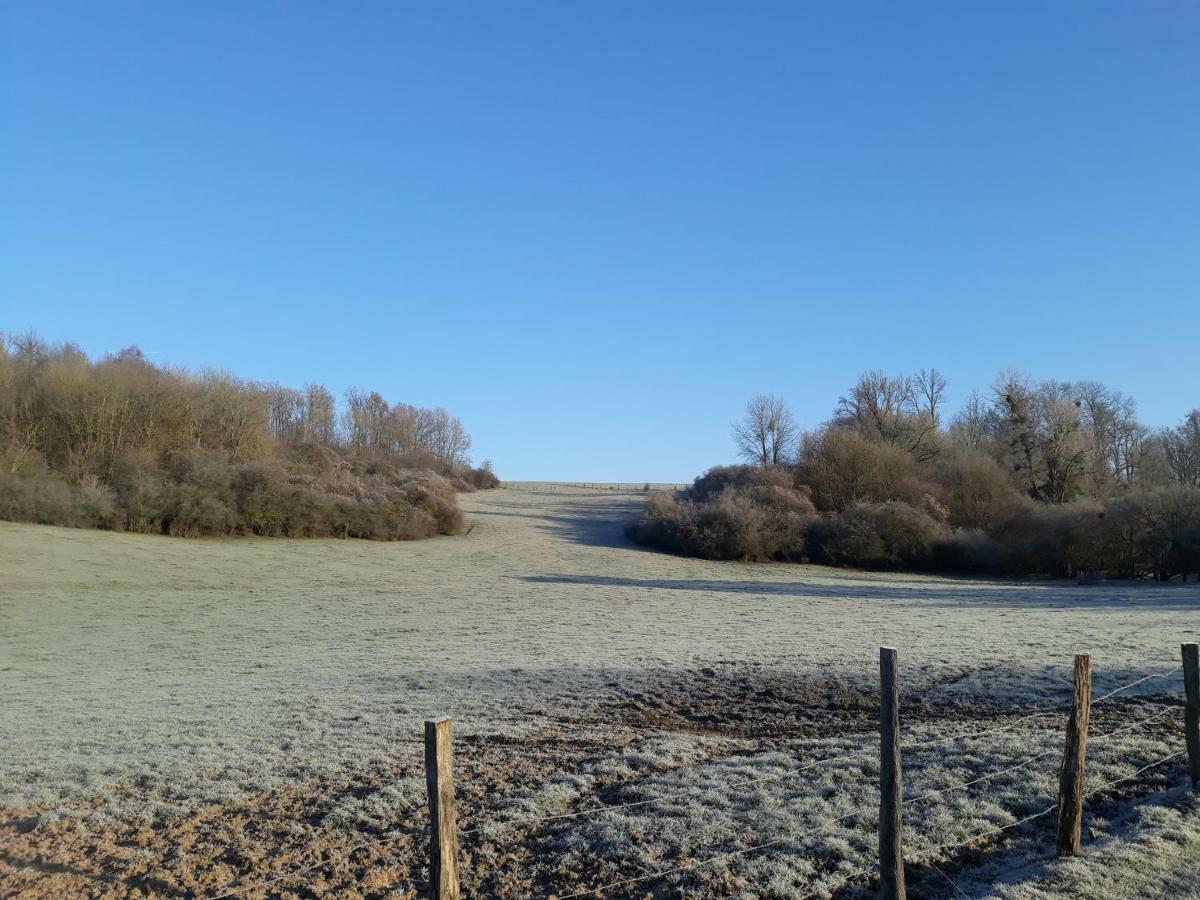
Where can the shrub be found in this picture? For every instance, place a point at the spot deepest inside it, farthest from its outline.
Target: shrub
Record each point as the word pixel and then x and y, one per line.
pixel 121 443
pixel 733 512
pixel 977 493
pixel 35 494
pixel 483 478
pixel 877 535
pixel 843 468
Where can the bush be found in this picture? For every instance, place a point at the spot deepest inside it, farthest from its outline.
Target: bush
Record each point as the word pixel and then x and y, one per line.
pixel 977 493
pixel 877 535
pixel 734 512
pixel 843 468
pixel 123 444
pixel 37 495
pixel 483 478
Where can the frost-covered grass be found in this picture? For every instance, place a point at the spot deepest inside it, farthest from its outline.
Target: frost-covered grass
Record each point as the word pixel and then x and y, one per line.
pixel 146 676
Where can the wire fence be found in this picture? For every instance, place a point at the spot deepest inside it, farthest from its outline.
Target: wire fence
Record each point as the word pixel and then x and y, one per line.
pixel 927 857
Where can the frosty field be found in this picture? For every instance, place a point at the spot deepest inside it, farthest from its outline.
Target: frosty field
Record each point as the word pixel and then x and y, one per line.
pixel 191 718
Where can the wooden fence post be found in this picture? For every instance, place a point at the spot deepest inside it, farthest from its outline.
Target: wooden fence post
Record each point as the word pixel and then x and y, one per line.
pixel 891 791
pixel 1071 779
pixel 443 827
pixel 1191 721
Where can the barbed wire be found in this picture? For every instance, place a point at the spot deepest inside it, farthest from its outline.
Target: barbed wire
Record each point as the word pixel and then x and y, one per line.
pixel 1050 809
pixel 824 825
pixel 1142 680
pixel 675 795
pixel 924 859
pixel 1058 710
pixel 950 881
pixel 712 859
pixel 245 889
pixel 665 798
pixel 391 836
pixel 1038 756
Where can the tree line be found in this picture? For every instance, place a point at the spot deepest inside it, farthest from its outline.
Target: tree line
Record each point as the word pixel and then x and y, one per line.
pixel 122 443
pixel 1030 477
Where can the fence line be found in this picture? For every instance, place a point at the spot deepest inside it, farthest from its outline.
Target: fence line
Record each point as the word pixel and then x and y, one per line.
pixel 1032 759
pixel 830 822
pixel 856 755
pixel 956 845
pixel 712 859
pixel 246 888
pixel 1126 687
pixel 1058 710
pixel 675 795
pixel 849 757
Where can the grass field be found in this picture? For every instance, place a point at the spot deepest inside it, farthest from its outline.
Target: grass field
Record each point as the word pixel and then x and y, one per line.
pixel 186 718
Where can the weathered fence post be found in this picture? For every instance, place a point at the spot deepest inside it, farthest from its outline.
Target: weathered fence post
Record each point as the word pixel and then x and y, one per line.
pixel 1191 720
pixel 1070 779
pixel 443 828
pixel 891 791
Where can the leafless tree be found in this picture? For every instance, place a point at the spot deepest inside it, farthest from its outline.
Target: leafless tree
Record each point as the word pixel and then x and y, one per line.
pixel 1040 435
pixel 766 435
pixel 1181 448
pixel 901 411
pixel 973 425
pixel 320 415
pixel 929 389
pixel 1119 442
pixel 448 440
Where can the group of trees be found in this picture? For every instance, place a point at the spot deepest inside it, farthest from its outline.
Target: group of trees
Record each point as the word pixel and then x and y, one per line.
pixel 1033 477
pixel 122 443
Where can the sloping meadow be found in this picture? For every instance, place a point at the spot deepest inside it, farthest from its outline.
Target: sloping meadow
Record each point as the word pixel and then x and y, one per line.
pixel 203 716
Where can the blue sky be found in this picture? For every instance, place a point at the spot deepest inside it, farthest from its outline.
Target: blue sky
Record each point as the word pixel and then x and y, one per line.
pixel 592 230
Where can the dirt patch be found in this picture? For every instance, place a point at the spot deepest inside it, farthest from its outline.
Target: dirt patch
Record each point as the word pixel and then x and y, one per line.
pixel 754 703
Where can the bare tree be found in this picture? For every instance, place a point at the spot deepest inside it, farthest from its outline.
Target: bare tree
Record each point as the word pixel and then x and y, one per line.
pixel 1041 437
pixel 320 415
pixel 901 411
pixel 973 425
pixel 449 441
pixel 1181 448
pixel 929 389
pixel 766 435
pixel 1120 442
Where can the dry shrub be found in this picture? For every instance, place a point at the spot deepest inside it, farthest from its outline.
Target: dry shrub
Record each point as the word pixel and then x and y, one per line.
pixel 123 444
pixel 977 493
pixel 32 492
pixel 970 519
pixel 733 512
pixel 483 478
pixel 843 468
pixel 877 535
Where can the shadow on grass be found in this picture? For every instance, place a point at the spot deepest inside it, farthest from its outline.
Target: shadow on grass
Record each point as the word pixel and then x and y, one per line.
pixel 583 522
pixel 950 592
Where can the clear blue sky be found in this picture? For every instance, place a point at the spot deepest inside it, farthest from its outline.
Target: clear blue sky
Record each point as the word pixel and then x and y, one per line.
pixel 592 230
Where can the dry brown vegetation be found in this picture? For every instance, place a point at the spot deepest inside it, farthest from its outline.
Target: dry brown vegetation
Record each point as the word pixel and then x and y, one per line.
pixel 1044 478
pixel 126 445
